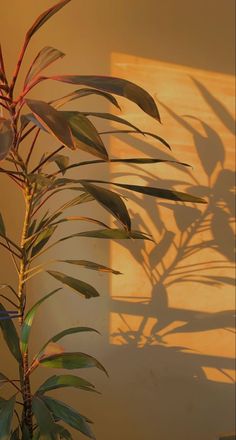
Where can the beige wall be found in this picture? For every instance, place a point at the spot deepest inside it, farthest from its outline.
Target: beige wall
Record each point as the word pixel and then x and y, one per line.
pixel 163 384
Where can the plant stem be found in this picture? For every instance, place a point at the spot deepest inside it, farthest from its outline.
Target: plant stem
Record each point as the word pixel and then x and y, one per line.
pixel 25 382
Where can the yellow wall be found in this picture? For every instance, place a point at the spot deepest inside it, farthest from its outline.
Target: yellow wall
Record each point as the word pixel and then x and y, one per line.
pixel 164 383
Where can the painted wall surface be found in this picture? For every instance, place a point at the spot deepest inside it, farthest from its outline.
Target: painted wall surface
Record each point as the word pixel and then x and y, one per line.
pixel 166 324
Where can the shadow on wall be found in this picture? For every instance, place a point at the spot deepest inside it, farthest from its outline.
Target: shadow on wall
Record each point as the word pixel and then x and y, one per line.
pixel 200 251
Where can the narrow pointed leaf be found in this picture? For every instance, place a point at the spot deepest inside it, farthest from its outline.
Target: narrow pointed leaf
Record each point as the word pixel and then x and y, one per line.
pixel 69 415
pixel 44 58
pixel 79 286
pixel 146 133
pixel 118 86
pixel 25 332
pixel 42 239
pixel 10 335
pixel 52 120
pixel 156 192
pixel 6 416
pixel 80 93
pixel 44 17
pixel 111 201
pixel 65 380
pixel 113 118
pixel 62 334
pixel 61 161
pixel 6 137
pixel 92 265
pixel 71 361
pixel 85 135
pixel 2 226
pixel 115 234
pixel 46 424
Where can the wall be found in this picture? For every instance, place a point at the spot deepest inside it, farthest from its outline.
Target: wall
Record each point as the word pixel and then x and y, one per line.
pixel 164 381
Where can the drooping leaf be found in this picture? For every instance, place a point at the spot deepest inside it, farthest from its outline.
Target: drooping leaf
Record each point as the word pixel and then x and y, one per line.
pixel 69 415
pixel 6 416
pixel 115 234
pixel 141 160
pixel 52 120
pixel 79 286
pixel 80 93
pixel 61 161
pixel 156 192
pixel 42 239
pixel 44 58
pixel 26 327
pixel 92 265
pixel 114 118
pixel 10 335
pixel 118 86
pixel 44 17
pixel 71 361
pixel 6 137
pixel 65 380
pixel 146 133
pixel 46 424
pixel 2 226
pixel 85 134
pixel 62 334
pixel 111 201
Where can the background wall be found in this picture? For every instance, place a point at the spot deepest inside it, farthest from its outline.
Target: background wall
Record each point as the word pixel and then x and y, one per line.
pixel 162 386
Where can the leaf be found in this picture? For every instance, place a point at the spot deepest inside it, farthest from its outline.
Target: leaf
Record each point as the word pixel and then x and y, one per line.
pixel 62 334
pixel 26 327
pixel 156 192
pixel 10 335
pixel 92 265
pixel 80 93
pixel 111 201
pixel 64 433
pixel 6 416
pixel 61 161
pixel 65 380
pixel 52 120
pixel 44 58
pixel 2 226
pixel 155 136
pixel 42 239
pixel 44 17
pixel 71 361
pixel 79 286
pixel 85 134
pixel 6 137
pixel 118 86
pixel 114 118
pixel 115 234
pixel 68 415
pixel 44 418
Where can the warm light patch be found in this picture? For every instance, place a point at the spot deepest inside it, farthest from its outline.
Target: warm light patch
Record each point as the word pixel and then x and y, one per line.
pixel 179 291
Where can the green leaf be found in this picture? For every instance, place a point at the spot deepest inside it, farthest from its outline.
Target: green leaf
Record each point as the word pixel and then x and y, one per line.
pixel 42 239
pixel 10 335
pixel 118 86
pixel 44 58
pixel 115 234
pixel 2 226
pixel 111 201
pixel 61 161
pixel 80 93
pixel 156 192
pixel 92 265
pixel 64 433
pixel 68 415
pixel 114 118
pixel 6 416
pixel 143 161
pixel 79 286
pixel 62 334
pixel 52 120
pixel 46 424
pixel 26 327
pixel 44 17
pixel 6 137
pixel 65 380
pixel 85 134
pixel 71 361
pixel 155 136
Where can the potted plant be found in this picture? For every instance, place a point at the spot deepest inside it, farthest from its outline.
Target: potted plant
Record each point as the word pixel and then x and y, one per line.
pixel 22 120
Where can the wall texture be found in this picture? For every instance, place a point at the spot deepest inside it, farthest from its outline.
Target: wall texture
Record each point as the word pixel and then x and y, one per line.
pixel 165 381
